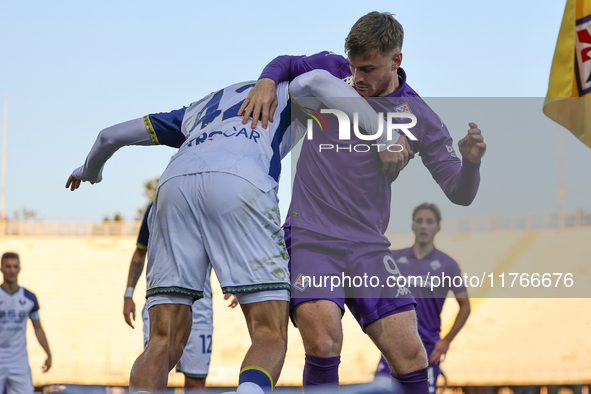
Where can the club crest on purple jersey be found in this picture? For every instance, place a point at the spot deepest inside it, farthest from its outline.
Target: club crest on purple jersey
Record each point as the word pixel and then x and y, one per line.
pixel 435 264
pixel 301 282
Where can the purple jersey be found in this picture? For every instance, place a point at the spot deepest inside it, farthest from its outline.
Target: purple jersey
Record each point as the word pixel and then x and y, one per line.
pixel 429 303
pixel 342 193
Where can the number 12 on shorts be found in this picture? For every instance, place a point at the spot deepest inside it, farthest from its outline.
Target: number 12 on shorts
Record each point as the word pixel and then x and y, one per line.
pixel 205 344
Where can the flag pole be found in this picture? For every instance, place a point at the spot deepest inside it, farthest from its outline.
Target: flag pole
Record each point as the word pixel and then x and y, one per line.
pixel 561 178
pixel 3 181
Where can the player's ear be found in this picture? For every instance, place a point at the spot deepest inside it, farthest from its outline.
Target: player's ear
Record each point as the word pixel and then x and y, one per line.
pixel 396 60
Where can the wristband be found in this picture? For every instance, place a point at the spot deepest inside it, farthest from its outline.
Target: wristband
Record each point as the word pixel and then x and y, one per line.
pixel 128 292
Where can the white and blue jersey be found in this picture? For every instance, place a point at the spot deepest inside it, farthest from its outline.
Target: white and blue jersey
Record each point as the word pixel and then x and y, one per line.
pixel 212 138
pixel 15 309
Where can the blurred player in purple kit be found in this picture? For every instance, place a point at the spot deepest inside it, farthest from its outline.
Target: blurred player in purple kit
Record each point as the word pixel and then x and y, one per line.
pixel 16 305
pixel 341 202
pixel 424 260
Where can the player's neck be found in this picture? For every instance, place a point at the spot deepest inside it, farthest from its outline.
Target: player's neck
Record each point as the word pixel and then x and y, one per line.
pixel 422 250
pixel 394 85
pixel 10 287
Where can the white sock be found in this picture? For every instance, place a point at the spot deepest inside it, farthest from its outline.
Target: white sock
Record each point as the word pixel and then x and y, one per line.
pixel 249 388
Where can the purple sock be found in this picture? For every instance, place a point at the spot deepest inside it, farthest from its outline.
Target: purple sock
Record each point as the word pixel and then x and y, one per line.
pixel 321 371
pixel 414 382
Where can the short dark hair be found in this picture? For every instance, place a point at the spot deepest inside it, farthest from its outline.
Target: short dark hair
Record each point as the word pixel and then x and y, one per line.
pixel 432 207
pixel 376 30
pixel 9 255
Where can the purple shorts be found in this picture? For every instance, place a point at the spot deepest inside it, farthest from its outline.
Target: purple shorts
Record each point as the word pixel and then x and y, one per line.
pixel 358 275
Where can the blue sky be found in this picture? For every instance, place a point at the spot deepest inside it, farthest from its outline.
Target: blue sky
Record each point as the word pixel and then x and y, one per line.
pixel 72 68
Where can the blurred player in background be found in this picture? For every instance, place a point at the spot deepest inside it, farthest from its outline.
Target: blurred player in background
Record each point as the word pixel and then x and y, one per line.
pixel 194 363
pixel 341 201
pixel 16 305
pixel 424 260
pixel 216 204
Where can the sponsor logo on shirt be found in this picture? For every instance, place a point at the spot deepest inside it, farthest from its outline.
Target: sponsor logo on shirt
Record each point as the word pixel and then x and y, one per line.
pixel 244 133
pixel 402 260
pixel 451 151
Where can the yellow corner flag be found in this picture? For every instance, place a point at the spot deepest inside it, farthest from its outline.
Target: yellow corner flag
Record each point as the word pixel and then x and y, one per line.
pixel 568 101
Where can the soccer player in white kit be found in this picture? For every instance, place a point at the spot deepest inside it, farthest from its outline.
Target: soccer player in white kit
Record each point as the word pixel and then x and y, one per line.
pixel 216 204
pixel 194 363
pixel 16 305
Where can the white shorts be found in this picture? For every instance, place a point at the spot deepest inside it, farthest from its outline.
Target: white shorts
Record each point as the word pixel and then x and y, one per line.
pixel 215 218
pixel 194 362
pixel 17 381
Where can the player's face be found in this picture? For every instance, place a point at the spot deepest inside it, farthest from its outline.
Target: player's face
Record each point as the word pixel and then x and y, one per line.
pixel 10 269
pixel 425 226
pixel 374 73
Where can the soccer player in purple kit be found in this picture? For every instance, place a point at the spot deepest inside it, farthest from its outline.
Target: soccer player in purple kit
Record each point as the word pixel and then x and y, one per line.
pixel 424 260
pixel 341 202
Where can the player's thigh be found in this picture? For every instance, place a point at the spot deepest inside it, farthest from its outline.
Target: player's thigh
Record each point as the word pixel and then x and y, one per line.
pixel 266 314
pixel 169 322
pixel 194 362
pixel 397 337
pixel 319 322
pixel 242 234
pixel 177 260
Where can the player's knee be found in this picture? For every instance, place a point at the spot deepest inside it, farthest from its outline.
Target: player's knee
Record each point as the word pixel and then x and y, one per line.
pixel 412 357
pixel 323 346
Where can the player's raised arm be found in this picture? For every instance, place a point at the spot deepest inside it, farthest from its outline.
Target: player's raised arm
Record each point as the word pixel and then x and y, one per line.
pixel 262 99
pixel 109 140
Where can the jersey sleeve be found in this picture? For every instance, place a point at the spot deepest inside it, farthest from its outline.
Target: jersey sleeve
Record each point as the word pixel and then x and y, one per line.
pixel 144 233
pixel 34 313
pixel 165 128
pixel 108 141
pixel 286 68
pixel 458 179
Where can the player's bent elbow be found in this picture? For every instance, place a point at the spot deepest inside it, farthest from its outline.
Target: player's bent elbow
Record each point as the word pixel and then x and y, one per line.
pixel 107 139
pixel 462 200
